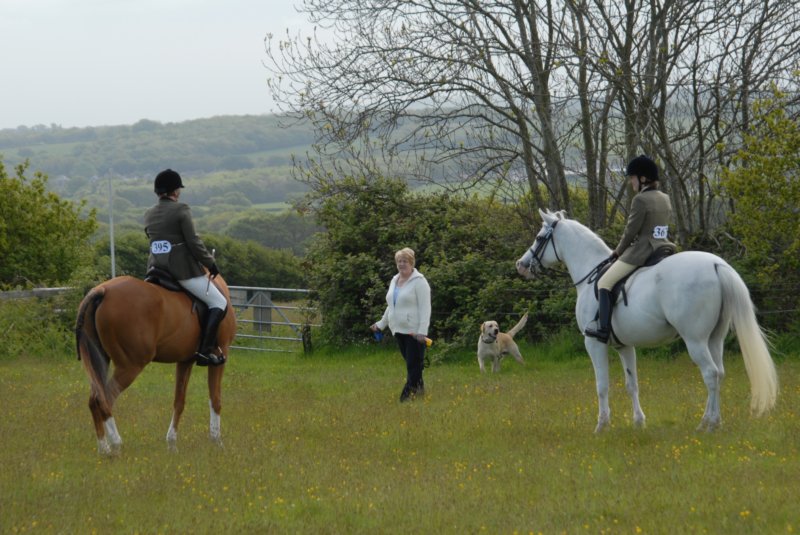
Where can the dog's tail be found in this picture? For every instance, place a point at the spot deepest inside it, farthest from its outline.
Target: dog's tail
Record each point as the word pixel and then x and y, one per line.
pixel 518 327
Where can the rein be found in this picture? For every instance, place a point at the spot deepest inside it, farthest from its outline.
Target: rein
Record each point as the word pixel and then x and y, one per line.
pixel 594 274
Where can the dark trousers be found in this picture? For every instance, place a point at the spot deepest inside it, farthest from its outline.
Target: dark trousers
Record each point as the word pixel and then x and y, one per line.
pixel 414 354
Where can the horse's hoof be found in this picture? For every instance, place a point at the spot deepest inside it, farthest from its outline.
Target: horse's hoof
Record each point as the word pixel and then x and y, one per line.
pixel 216 438
pixel 109 453
pixel 708 426
pixel 172 446
pixel 601 426
pixel 104 448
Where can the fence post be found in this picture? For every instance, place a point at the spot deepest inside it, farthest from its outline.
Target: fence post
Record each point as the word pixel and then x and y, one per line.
pixel 263 311
pixel 305 333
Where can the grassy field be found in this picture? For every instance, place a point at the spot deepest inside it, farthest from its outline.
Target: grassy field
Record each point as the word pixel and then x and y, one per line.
pixel 321 445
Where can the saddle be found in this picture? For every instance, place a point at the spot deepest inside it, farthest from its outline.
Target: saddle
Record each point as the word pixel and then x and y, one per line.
pixel 618 290
pixel 165 279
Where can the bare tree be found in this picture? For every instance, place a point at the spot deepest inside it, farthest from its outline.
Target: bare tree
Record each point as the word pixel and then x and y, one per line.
pixel 461 88
pixel 684 72
pixel 510 92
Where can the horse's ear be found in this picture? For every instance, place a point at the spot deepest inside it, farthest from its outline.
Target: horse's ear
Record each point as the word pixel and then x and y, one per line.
pixel 543 214
pixel 547 216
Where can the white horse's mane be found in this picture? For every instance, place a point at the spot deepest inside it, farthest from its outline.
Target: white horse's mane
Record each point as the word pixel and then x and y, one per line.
pixel 561 215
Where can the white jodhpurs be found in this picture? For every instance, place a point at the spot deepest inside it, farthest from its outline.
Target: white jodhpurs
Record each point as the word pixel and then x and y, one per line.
pixel 198 286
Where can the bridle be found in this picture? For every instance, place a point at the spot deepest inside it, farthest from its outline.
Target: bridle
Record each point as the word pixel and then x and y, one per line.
pixel 540 245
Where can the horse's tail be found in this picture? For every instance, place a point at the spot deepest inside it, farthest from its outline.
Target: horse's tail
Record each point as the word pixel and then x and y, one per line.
pixel 90 349
pixel 738 306
pixel 518 327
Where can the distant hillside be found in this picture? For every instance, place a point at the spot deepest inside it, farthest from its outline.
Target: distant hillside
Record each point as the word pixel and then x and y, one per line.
pixel 233 166
pixel 227 143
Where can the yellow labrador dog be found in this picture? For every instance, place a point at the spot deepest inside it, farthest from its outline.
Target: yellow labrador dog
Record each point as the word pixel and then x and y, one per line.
pixel 496 345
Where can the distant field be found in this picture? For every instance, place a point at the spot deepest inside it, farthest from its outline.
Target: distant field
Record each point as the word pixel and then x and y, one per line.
pixel 276 207
pixel 321 445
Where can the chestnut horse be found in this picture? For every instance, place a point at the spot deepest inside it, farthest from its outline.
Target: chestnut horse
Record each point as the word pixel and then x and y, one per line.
pixel 130 323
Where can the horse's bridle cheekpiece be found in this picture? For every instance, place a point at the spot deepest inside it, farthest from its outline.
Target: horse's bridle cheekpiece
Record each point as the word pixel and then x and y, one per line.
pixel 540 245
pixel 537 252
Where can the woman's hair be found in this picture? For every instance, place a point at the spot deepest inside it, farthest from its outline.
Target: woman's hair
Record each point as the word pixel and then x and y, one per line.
pixel 407 253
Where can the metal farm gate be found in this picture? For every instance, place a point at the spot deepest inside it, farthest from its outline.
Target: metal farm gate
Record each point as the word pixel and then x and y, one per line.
pixel 272 319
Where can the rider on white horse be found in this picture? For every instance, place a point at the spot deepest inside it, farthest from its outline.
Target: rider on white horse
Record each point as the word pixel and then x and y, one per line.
pixel 646 230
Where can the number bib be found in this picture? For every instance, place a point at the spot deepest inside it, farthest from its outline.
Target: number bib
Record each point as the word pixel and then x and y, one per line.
pixel 160 247
pixel 660 232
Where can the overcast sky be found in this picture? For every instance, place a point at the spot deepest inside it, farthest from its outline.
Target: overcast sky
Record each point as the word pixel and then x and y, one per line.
pixel 112 62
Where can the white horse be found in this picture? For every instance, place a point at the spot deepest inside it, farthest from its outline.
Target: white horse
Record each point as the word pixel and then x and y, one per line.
pixel 694 295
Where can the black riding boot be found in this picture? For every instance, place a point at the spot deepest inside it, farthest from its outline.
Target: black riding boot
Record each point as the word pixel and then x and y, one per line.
pixel 205 355
pixel 604 319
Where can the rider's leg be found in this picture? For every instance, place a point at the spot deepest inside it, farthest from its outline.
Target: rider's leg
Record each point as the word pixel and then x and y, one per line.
pixel 604 317
pixel 616 272
pixel 217 307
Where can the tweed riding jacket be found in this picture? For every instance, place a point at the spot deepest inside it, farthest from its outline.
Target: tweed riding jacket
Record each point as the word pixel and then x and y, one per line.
pixel 647 227
pixel 174 243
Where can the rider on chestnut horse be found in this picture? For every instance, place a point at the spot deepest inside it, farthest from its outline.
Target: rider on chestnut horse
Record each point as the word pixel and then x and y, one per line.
pixel 176 248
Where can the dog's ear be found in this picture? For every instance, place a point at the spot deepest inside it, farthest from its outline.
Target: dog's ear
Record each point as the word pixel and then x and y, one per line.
pixel 483 325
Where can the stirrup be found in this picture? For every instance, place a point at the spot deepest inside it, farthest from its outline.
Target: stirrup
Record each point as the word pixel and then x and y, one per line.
pixel 209 360
pixel 600 334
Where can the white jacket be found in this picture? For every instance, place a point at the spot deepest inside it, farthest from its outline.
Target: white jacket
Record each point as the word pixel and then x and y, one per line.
pixel 412 312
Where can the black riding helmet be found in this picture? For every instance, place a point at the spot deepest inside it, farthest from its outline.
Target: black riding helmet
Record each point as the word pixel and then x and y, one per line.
pixel 166 181
pixel 644 167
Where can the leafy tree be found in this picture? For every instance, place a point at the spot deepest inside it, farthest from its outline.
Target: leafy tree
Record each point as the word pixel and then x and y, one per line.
pixel 287 230
pixel 765 189
pixel 241 263
pixel 130 254
pixel 42 237
pixel 250 264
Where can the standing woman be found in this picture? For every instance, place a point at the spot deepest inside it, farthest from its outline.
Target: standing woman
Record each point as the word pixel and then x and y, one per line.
pixel 408 315
pixel 646 230
pixel 176 248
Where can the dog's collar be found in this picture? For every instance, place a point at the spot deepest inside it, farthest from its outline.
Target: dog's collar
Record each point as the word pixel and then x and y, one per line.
pixel 492 340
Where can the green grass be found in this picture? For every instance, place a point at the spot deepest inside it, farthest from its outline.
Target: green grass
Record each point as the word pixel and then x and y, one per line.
pixel 321 445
